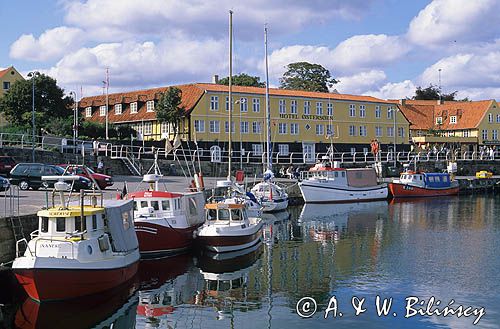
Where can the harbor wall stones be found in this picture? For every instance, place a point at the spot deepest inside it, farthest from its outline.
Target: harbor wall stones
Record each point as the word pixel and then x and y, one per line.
pixel 29 223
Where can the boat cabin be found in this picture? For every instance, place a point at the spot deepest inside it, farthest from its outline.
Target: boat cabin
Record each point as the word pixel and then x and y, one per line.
pixel 69 222
pixel 434 180
pixel 222 212
pixel 156 203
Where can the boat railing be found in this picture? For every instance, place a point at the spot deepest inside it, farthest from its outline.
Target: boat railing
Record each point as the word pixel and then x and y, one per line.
pixel 18 247
pixel 34 234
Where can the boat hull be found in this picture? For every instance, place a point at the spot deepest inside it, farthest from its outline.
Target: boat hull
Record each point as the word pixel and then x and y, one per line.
pixel 228 243
pixel 399 190
pixel 313 192
pixel 49 284
pixel 274 206
pixel 160 241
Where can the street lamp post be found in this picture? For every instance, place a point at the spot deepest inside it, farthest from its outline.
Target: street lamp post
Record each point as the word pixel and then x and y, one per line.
pixel 32 75
pixel 394 112
pixel 75 120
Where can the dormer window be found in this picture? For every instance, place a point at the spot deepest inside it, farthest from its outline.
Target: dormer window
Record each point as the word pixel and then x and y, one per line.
pixel 102 111
pixel 133 107
pixel 88 112
pixel 453 119
pixel 118 109
pixel 150 106
pixel 439 120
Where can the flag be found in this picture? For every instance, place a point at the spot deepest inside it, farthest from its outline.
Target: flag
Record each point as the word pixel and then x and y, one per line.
pixel 168 146
pixel 177 142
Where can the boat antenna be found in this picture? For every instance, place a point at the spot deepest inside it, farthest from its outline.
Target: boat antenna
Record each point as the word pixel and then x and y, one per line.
pixel 230 92
pixel 268 114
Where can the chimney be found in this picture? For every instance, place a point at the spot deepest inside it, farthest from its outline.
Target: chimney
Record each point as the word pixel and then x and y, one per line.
pixel 402 102
pixel 440 102
pixel 215 79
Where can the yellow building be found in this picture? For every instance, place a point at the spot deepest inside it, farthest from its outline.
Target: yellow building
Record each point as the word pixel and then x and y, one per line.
pixel 304 122
pixel 469 124
pixel 7 77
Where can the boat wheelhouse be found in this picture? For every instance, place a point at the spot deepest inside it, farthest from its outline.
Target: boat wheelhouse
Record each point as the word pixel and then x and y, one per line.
pixel 323 183
pixel 421 184
pixel 165 221
pixel 228 227
pixel 79 249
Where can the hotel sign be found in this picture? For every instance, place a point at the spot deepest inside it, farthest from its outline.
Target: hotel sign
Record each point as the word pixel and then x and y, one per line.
pixel 305 116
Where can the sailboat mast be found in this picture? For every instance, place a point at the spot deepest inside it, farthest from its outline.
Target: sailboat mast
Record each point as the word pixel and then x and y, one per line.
pixel 230 108
pixel 268 112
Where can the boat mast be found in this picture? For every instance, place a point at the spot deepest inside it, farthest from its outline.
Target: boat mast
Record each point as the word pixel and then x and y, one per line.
pixel 230 92
pixel 268 114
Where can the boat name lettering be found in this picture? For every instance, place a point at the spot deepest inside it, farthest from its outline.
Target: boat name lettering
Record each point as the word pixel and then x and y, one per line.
pixel 148 194
pixel 49 245
pixel 59 213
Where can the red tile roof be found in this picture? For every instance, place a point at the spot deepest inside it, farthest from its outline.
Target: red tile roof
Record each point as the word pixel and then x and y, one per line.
pixel 4 71
pixel 191 94
pixel 422 114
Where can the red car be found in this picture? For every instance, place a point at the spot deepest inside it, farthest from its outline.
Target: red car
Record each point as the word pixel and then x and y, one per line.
pixel 6 164
pixel 102 180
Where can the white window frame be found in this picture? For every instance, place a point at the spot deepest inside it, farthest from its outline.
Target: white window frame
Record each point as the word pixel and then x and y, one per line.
pixel 319 108
pixel 227 103
pixel 329 109
pixel 390 112
pixel 484 134
pixel 330 131
pixel 465 133
pixel 352 130
pixel 284 149
pixel 494 134
pixel 256 105
pixel 282 128
pixel 118 109
pixel 390 131
pixel 439 120
pixel 214 103
pixel 401 132
pixel 498 118
pixel 256 127
pixel 378 112
pixel 490 117
pixel 164 128
pixel 243 104
pixel 307 107
pixel 378 131
pixel 226 127
pixel 214 126
pixel 88 111
pixel 199 126
pixel 352 110
pixel 362 111
pixel 257 149
pixel 244 127
pixel 150 106
pixel 294 128
pixel 320 129
pixel 362 131
pixel 148 128
pixel 102 110
pixel 282 106
pixel 293 106
pixel 133 107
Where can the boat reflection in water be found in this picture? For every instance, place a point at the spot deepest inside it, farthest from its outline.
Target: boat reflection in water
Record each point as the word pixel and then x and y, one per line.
pixel 328 222
pixel 276 226
pixel 166 284
pixel 112 309
pixel 226 278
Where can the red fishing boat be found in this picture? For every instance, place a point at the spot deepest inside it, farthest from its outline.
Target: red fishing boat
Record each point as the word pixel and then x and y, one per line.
pixel 420 184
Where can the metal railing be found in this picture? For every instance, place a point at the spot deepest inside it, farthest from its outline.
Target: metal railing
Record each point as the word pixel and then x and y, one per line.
pixel 133 154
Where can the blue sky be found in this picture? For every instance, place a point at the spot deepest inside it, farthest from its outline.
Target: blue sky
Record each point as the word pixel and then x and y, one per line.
pixel 383 48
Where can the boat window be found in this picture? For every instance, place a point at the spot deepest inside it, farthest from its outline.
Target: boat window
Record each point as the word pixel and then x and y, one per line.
pixel 60 224
pixel 420 177
pixel 237 283
pixel 336 174
pixel 224 285
pixel 165 204
pixel 192 207
pixel 78 223
pixel 343 174
pixel 94 222
pixel 44 224
pixel 135 205
pixel 223 214
pixel 212 285
pixel 235 214
pixel 445 179
pixel 155 205
pixel 144 204
pixel 126 220
pixel 211 214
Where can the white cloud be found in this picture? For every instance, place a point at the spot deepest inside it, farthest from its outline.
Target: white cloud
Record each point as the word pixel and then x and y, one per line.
pixel 136 65
pixel 443 22
pixel 396 90
pixel 51 44
pixel 465 71
pixel 359 83
pixel 150 17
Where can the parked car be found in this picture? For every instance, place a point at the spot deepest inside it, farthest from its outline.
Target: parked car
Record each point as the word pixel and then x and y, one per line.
pixel 29 175
pixel 484 174
pixel 102 180
pixel 4 184
pixel 6 164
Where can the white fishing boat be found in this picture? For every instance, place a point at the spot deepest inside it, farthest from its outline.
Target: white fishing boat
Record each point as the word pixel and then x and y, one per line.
pixel 165 221
pixel 79 248
pixel 271 196
pixel 324 183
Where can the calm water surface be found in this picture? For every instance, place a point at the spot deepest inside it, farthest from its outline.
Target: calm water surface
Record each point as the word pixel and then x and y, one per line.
pixel 444 247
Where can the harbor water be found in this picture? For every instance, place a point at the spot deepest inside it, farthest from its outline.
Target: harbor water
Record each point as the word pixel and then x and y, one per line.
pixel 433 262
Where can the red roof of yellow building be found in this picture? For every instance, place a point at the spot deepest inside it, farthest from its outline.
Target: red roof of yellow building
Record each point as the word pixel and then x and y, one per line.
pixel 4 71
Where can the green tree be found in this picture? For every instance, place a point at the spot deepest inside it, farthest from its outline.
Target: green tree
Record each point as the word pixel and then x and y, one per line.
pixel 432 93
pixel 243 79
pixel 50 102
pixel 307 76
pixel 169 108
